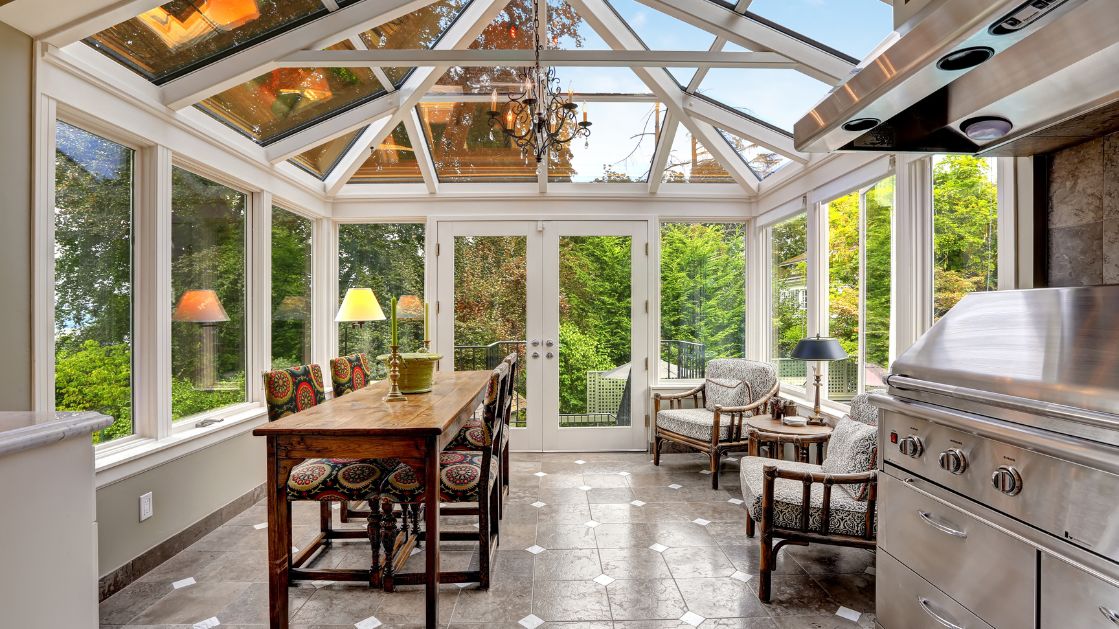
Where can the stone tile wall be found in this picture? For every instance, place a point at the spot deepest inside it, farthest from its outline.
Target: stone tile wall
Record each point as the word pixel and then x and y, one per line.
pixel 1084 214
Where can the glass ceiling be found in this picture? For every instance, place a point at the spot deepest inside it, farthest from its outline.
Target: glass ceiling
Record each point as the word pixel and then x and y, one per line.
pixel 183 36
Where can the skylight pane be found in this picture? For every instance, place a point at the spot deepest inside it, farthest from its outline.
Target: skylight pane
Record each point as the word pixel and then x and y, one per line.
pixel 599 80
pixel 393 161
pixel 568 30
pixel 180 36
pixel 480 80
pixel 619 150
pixel 689 161
pixel 511 29
pixel 659 31
pixel 319 161
pixel 466 149
pixel 853 27
pixel 762 161
pixel 778 97
pixel 419 29
pixel 288 99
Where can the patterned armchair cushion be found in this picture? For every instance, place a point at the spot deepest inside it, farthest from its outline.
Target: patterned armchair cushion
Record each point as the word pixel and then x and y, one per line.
pixel 693 422
pixel 759 377
pixel 339 479
pixel 291 390
pixel 852 448
pixel 460 475
pixel 848 516
pixel 725 393
pixel 863 411
pixel 349 373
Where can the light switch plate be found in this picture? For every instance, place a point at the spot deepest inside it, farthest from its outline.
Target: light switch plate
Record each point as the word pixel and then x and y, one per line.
pixel 147 510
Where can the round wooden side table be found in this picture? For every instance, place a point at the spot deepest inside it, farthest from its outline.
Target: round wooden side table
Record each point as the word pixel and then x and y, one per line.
pixel 765 429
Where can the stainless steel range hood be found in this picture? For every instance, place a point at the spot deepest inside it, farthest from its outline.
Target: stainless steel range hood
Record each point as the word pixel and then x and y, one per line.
pixel 1051 70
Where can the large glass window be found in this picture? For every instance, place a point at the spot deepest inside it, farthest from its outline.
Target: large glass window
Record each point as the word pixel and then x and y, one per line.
pixel 689 161
pixel 702 297
pixel 93 277
pixel 388 258
pixel 859 287
pixel 291 289
pixel 788 246
pixel 208 286
pixel 965 228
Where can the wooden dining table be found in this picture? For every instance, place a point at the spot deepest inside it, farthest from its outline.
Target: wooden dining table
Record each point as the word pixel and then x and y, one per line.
pixel 362 425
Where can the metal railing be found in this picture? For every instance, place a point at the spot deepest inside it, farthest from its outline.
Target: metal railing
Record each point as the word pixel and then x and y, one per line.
pixel 683 360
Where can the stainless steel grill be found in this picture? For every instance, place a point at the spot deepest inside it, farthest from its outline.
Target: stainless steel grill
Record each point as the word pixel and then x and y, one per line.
pixel 1000 457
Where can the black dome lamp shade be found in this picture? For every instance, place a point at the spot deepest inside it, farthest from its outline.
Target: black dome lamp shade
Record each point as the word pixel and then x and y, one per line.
pixel 818 348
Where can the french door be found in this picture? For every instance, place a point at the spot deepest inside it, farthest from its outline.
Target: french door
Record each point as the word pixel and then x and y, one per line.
pixel 569 297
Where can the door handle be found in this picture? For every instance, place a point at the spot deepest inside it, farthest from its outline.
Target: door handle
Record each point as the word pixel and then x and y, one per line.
pixel 943 528
pixel 535 343
pixel 549 355
pixel 536 354
pixel 549 342
pixel 924 602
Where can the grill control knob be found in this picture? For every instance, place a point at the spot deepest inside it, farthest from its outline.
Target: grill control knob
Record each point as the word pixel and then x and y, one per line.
pixel 953 460
pixel 1007 480
pixel 911 446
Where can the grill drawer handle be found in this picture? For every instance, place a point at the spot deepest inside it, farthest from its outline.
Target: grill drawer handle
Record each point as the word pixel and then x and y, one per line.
pixel 927 608
pixel 944 528
pixel 1110 614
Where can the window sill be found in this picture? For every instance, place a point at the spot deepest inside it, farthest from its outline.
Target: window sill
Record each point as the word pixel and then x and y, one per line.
pixel 142 454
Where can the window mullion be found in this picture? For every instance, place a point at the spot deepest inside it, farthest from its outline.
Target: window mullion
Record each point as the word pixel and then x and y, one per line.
pixel 151 379
pixel 817 284
pixel 860 385
pixel 258 309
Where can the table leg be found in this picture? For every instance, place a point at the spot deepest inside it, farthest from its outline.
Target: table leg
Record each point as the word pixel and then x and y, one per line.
pixel 279 535
pixel 431 535
pixel 753 447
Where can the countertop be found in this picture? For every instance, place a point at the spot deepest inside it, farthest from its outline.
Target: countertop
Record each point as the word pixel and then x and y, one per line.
pixel 24 430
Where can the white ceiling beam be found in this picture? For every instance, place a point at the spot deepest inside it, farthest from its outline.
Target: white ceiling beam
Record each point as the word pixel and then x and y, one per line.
pixel 332 127
pixel 662 151
pixel 254 61
pixel 68 21
pixel 752 34
pixel 386 58
pixel 716 46
pixel 353 158
pixel 458 97
pixel 610 27
pixel 752 130
pixel 423 154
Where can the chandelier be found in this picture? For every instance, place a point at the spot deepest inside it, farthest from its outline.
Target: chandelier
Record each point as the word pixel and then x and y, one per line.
pixel 540 116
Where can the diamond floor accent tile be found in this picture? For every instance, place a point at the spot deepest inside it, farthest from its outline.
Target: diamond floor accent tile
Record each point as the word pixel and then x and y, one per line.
pixel 319 583
pixel 701 521
pixel 538 504
pixel 580 462
pixel 660 548
pixel 740 576
pixel 590 524
pixel 534 549
pixel 707 472
pixel 736 501
pixel 532 621
pixel 675 486
pixel 849 614
pixel 262 525
pixel 731 458
pixel 368 623
pixel 637 503
pixel 692 618
pixel 585 487
pixel 623 473
pixel 603 579
pixel 540 474
pixel 182 583
pixel 209 623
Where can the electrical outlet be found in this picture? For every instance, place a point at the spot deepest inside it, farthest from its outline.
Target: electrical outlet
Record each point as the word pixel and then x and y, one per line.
pixel 146 508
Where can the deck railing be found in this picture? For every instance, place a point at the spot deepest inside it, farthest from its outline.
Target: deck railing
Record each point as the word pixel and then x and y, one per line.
pixel 683 360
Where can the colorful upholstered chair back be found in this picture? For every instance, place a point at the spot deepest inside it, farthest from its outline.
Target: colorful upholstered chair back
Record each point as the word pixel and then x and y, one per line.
pixel 494 402
pixel 294 389
pixel 510 387
pixel 349 373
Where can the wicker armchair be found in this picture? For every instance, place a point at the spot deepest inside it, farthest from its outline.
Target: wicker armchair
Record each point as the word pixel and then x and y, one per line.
pixel 735 389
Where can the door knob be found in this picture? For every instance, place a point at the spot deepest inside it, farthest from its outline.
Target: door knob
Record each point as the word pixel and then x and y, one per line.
pixel 535 343
pixel 536 354
pixel 548 355
pixel 549 342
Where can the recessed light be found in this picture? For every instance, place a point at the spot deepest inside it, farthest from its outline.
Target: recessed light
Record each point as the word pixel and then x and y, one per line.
pixel 861 124
pixel 986 128
pixel 965 58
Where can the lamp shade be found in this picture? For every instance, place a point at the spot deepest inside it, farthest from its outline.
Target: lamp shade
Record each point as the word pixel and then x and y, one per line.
pixel 818 348
pixel 409 307
pixel 199 305
pixel 360 304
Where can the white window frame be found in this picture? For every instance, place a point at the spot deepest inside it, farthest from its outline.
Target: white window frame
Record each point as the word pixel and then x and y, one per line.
pixel 764 244
pixel 316 236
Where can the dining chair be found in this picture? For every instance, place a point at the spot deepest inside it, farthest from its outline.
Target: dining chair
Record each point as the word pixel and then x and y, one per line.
pixel 348 374
pixel 289 391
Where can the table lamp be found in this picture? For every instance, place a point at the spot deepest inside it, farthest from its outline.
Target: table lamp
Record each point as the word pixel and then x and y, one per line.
pixel 359 305
pixel 818 349
pixel 199 305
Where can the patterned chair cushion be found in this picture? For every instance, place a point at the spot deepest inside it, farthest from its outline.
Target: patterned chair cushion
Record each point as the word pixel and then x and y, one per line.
pixel 473 436
pixel 760 378
pixel 725 393
pixel 477 432
pixel 349 373
pixel 852 448
pixel 339 479
pixel 693 422
pixel 863 411
pixel 847 514
pixel 291 390
pixel 460 473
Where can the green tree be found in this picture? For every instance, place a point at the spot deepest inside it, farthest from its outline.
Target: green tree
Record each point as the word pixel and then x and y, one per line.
pixel 789 268
pixel 965 229
pixel 291 289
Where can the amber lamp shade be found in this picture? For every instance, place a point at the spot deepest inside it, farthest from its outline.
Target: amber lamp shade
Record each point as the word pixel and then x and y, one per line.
pixel 199 306
pixel 410 307
pixel 309 85
pixel 360 304
pixel 182 23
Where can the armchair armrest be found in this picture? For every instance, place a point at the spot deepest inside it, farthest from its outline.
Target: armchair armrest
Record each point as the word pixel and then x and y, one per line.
pixel 771 473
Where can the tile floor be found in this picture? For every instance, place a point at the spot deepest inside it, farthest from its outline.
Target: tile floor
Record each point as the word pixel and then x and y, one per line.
pixel 588 541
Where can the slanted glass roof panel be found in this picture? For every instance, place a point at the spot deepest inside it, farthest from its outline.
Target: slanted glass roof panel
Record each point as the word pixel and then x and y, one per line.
pixel 600 80
pixel 182 35
pixel 480 80
pixel 288 99
pixel 777 97
pixel 393 161
pixel 689 161
pixel 466 149
pixel 762 161
pixel 511 29
pixel 568 30
pixel 319 161
pixel 853 27
pixel 619 150
pixel 659 31
pixel 418 29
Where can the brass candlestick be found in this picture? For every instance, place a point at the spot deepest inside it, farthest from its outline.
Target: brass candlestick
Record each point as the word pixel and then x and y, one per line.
pixel 394 394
